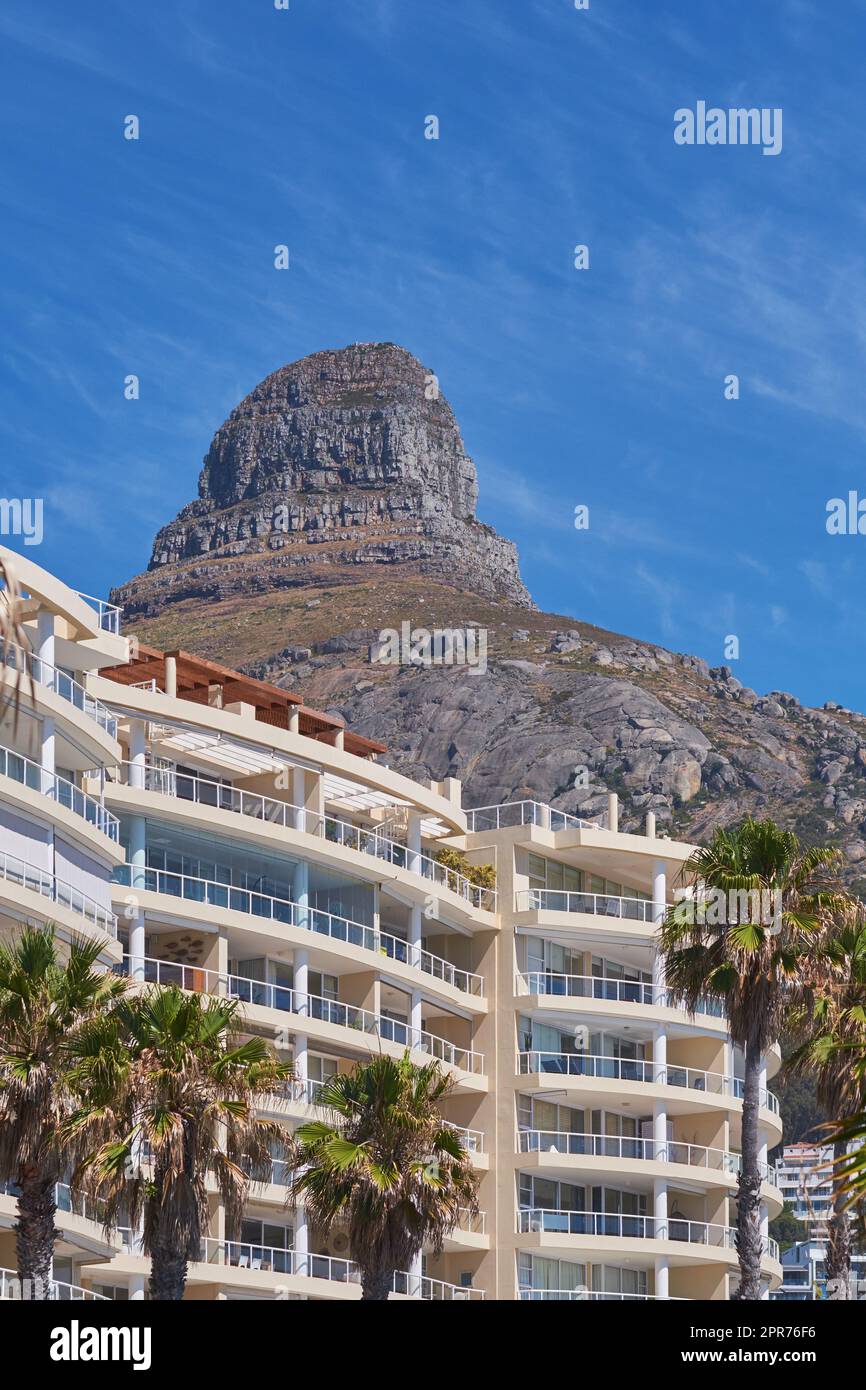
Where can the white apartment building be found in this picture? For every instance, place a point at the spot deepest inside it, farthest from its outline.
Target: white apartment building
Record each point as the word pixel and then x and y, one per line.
pixel 803 1175
pixel 218 833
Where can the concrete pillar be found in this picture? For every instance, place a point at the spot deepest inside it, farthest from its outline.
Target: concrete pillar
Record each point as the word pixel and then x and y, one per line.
pixel 47 755
pixel 416 930
pixel 612 811
pixel 299 798
pixel 301 891
pixel 660 1132
pixel 659 891
pixel 302 1238
pixel 294 721
pixel 340 739
pixel 659 985
pixel 137 753
pixel 416 1273
pixel 301 981
pixel 413 841
pixel 138 851
pixel 415 1020
pixel 45 643
pixel 660 1056
pixel 136 1288
pixel 171 676
pixel 137 946
pixel 660 1209
pixel 661 1277
pixel 543 813
pixel 650 825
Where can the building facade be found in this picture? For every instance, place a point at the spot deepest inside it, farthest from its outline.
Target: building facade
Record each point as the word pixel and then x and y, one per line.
pixel 219 834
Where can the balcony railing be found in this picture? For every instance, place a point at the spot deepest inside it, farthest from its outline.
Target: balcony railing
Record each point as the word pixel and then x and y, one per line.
pixel 57 890
pixel 570 1143
pixel 12 1287
pixel 512 813
pixel 109 613
pixel 549 982
pixel 626 1227
pixel 367 840
pixel 312 919
pixel 635 1069
pixel 329 1267
pixel 52 678
pixel 287 1000
pixel 594 904
pixel 589 1296
pixel 29 774
pixel 67 1199
pixel 471 1139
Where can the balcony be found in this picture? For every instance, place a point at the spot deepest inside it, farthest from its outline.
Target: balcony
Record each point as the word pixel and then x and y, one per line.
pixel 29 774
pixel 109 613
pixel 549 983
pixel 14 1288
pixel 14 870
pixel 52 678
pixel 367 840
pixel 328 1267
pixel 312 919
pixel 589 1296
pixel 572 1144
pixel 632 1069
pixel 596 1223
pixel 512 813
pixel 592 904
pixel 311 1006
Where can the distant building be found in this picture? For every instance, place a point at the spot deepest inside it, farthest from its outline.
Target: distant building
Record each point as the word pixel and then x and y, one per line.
pixel 804 1276
pixel 804 1177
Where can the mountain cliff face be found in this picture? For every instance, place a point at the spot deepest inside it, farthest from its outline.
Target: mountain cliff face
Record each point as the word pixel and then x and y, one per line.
pixel 338 500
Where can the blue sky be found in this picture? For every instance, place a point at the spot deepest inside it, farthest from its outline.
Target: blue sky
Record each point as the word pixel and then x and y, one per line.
pixel 602 387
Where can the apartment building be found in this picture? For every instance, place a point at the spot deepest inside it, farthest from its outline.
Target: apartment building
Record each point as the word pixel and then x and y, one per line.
pixel 218 833
pixel 803 1175
pixel 804 1274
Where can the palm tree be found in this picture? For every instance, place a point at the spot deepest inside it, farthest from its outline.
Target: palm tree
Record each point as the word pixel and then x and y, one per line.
pixel 177 1101
pixel 386 1165
pixel 834 1020
pixel 46 1002
pixel 750 960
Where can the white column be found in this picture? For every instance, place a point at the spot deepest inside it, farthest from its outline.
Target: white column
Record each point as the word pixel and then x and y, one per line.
pixel 416 1273
pixel 301 891
pixel 137 947
pixel 138 851
pixel 660 1208
pixel 659 891
pixel 544 817
pixel 415 934
pixel 415 1020
pixel 660 1056
pixel 299 798
pixel 47 756
pixel 136 1288
pixel 137 753
pixel 302 1238
pixel 661 1279
pixel 301 980
pixel 612 812
pixel 413 840
pixel 659 979
pixel 45 643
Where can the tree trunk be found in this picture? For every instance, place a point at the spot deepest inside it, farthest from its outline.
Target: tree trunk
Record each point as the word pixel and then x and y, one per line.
pixel 750 1244
pixel 35 1234
pixel 168 1268
pixel 376 1285
pixel 838 1239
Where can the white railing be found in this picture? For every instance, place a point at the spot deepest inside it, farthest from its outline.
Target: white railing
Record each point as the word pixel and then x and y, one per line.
pixel 367 840
pixel 512 813
pixel 626 1227
pixel 264 993
pixel 109 613
pixel 472 1139
pixel 619 991
pixel 313 919
pixel 636 1069
pixel 52 678
pixel 595 904
pixel 571 1143
pixel 473 1223
pixel 26 1290
pixel 328 1267
pixel 58 891
pixel 29 774
pixel 66 1199
pixel 590 1296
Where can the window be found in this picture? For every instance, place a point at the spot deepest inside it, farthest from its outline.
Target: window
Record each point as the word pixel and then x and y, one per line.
pixel 547 873
pixel 539 1275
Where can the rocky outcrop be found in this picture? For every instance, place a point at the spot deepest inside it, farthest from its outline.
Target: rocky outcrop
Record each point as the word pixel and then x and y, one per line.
pixel 340 463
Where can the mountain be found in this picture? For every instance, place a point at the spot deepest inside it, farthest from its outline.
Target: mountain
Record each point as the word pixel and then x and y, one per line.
pixel 338 500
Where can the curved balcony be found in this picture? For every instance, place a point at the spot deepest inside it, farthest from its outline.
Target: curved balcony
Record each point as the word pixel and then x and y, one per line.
pixel 368 841
pixel 328 1267
pixel 512 813
pixel 548 983
pixel 21 1290
pixel 590 1296
pixel 591 904
pixel 53 679
pixel 56 890
pixel 29 774
pixel 108 613
pixel 293 914
pixel 573 1145
pixel 646 1073
pixel 283 999
pixel 595 1223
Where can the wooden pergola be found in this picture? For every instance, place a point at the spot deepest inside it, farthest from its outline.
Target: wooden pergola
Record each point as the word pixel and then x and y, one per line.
pixel 208 683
